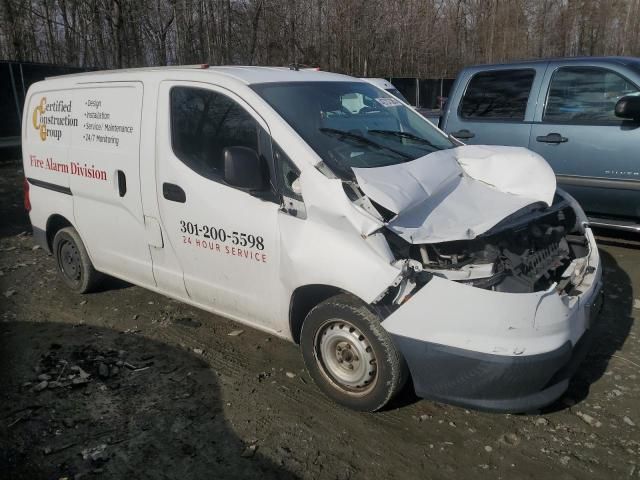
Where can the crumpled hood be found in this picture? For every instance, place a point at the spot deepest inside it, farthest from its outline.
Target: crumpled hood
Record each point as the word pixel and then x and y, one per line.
pixel 459 193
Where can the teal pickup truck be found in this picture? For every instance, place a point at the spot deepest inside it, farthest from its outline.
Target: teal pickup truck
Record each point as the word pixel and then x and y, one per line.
pixel 581 114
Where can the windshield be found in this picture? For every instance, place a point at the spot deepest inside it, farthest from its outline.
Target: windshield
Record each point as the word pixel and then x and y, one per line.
pixel 353 124
pixel 396 93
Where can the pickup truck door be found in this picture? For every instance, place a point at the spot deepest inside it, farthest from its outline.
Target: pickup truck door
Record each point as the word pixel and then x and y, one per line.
pixel 225 239
pixel 494 105
pixel 593 153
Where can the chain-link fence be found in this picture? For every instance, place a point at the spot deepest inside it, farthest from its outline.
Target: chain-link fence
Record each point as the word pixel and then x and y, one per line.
pixel 426 93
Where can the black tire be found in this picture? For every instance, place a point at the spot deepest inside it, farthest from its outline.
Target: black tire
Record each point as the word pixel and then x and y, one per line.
pixel 338 339
pixel 73 262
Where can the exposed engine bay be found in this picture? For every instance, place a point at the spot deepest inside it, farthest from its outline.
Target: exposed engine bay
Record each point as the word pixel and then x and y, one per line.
pixel 527 252
pixel 467 215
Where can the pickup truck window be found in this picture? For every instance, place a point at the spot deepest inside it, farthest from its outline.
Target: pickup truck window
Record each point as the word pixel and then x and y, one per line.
pixel 497 95
pixel 353 124
pixel 203 123
pixel 585 95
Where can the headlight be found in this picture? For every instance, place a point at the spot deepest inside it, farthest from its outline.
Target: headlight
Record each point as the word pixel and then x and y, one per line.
pixel 581 217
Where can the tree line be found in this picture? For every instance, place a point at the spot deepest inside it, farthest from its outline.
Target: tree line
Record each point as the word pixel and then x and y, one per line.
pixel 422 38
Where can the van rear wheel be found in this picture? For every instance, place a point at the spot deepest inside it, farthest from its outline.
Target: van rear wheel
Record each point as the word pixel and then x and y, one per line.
pixel 350 356
pixel 74 264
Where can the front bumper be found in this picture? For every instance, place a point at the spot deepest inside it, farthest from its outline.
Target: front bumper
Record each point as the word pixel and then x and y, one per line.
pixel 498 383
pixel 495 351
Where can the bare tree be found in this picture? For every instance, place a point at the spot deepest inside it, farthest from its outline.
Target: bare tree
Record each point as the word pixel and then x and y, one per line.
pixel 432 38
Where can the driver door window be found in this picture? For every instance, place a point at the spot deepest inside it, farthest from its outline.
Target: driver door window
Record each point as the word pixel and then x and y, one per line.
pixel 203 124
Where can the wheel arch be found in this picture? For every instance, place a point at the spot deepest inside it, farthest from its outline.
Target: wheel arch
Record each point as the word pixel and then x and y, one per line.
pixel 55 223
pixel 302 301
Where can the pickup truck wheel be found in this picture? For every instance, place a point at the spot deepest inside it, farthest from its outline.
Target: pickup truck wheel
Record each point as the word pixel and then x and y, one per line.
pixel 73 261
pixel 350 356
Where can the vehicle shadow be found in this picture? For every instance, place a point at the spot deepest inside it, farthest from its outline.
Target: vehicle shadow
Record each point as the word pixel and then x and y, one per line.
pixel 146 410
pixel 611 329
pixel 407 396
pixel 110 284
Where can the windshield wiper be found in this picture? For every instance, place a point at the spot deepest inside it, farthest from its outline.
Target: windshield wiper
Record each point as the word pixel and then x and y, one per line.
pixel 406 135
pixel 364 140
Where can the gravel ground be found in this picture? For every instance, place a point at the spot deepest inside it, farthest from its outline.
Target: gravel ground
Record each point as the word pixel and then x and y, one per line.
pixel 125 383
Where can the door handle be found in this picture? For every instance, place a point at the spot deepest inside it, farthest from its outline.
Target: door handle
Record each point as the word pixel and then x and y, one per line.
pixel 552 138
pixel 122 183
pixel 463 134
pixel 173 192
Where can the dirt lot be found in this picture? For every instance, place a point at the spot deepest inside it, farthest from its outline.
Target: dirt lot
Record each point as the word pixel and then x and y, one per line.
pixel 141 386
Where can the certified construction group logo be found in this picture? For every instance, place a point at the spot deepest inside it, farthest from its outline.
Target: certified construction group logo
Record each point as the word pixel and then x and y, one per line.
pixel 48 118
pixel 37 112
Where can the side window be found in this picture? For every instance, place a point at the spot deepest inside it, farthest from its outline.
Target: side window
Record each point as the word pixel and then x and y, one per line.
pixel 585 95
pixel 287 173
pixel 498 95
pixel 203 124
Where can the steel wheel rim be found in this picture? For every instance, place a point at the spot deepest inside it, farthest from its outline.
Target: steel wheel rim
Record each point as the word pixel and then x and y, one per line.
pixel 70 262
pixel 346 357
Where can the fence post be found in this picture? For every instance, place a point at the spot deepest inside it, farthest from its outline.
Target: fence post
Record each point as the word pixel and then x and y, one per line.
pixel 15 96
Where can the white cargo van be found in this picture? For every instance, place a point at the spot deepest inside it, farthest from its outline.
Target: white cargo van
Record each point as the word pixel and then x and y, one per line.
pixel 368 237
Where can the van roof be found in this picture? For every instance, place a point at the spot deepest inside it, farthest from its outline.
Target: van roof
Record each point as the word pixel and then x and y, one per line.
pixel 246 74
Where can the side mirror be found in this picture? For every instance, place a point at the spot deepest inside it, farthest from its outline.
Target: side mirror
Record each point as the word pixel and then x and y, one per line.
pixel 244 169
pixel 628 107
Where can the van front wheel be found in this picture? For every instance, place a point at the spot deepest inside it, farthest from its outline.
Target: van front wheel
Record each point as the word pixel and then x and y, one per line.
pixel 350 356
pixel 73 261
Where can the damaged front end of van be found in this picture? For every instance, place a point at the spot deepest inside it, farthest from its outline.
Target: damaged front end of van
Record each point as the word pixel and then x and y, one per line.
pixel 500 274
